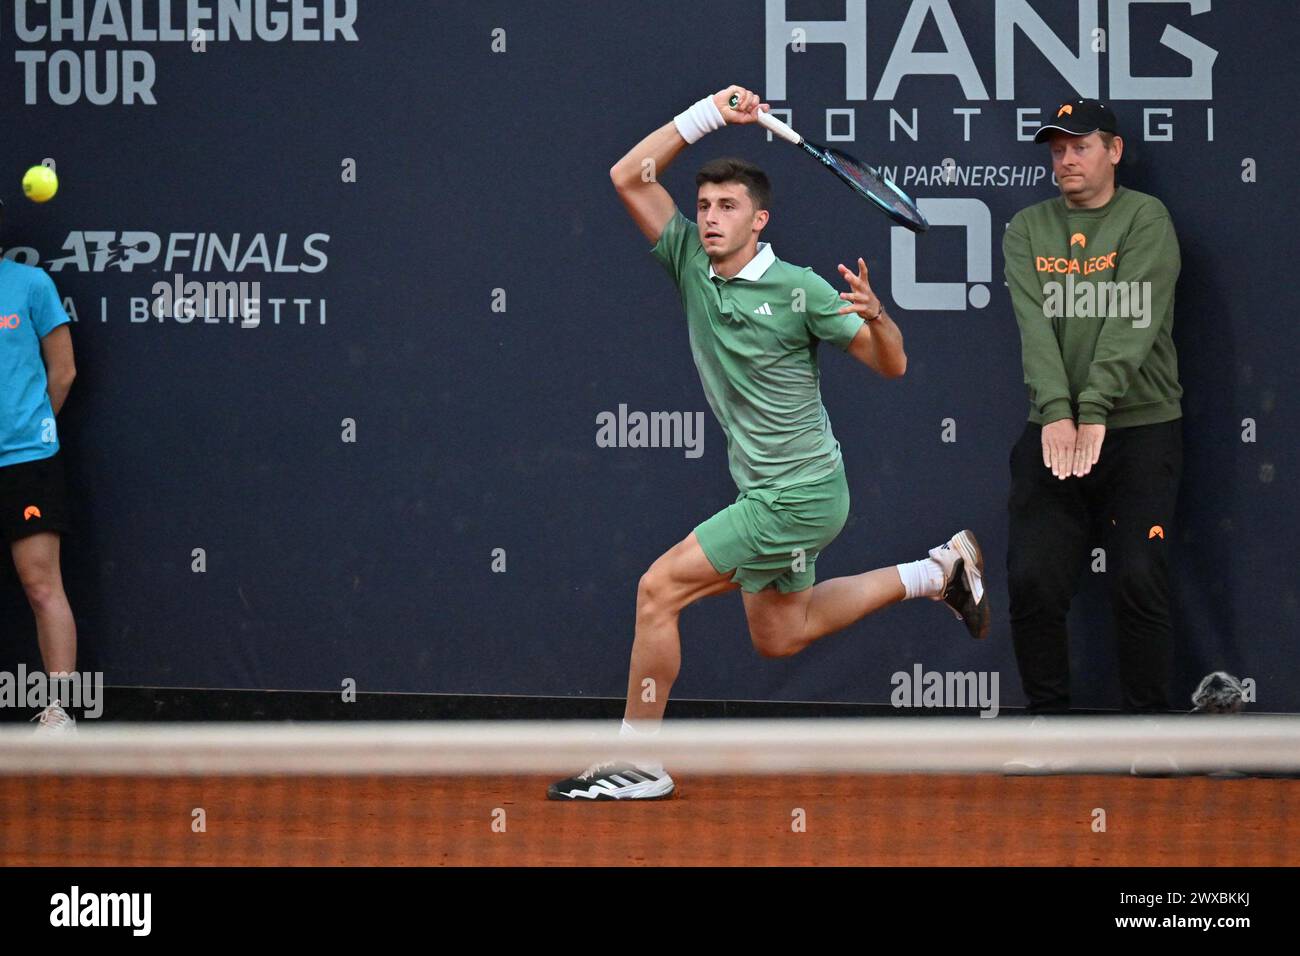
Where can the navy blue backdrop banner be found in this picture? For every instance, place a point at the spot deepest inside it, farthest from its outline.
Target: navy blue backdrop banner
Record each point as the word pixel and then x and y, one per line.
pixel 393 473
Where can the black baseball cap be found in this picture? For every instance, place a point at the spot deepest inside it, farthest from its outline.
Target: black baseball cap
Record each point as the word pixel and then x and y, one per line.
pixel 1079 118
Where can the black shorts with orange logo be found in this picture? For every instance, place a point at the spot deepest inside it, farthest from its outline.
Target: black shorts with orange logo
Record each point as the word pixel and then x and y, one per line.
pixel 33 498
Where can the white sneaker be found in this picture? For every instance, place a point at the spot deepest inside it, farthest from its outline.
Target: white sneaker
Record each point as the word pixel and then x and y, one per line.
pixel 962 563
pixel 55 722
pixel 614 781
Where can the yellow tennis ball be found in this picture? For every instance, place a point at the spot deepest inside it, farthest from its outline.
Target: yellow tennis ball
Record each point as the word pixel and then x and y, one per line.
pixel 40 184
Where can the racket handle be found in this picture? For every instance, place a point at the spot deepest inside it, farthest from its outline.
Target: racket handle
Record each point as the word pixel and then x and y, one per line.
pixel 771 122
pixel 779 128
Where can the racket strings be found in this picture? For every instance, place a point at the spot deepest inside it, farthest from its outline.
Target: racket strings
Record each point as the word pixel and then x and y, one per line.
pixel 871 183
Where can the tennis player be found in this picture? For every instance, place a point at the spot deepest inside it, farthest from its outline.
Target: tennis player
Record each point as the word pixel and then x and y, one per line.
pixel 755 322
pixel 36 372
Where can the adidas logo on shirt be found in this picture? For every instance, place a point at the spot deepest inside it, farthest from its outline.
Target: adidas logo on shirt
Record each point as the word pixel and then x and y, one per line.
pixel 763 309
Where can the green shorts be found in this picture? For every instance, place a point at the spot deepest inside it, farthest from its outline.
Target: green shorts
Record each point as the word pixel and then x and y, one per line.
pixel 771 537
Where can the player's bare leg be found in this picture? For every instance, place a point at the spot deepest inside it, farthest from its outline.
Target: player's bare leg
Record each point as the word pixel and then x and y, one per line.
pixel 784 624
pixel 678 578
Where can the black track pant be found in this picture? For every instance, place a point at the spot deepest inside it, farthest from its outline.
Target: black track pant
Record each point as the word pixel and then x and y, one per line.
pixel 1125 506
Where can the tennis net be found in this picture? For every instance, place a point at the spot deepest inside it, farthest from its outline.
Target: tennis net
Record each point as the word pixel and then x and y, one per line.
pixel 1177 790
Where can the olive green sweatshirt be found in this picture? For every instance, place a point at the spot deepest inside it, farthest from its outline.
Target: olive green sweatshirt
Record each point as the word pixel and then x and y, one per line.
pixel 1093 293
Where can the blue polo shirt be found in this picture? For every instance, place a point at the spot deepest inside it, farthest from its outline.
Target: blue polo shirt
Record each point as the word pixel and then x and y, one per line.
pixel 30 309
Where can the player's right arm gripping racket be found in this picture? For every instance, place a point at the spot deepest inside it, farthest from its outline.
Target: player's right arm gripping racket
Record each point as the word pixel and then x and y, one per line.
pixel 856 174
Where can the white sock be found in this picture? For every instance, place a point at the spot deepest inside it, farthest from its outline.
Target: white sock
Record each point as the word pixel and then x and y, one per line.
pixel 644 759
pixel 922 578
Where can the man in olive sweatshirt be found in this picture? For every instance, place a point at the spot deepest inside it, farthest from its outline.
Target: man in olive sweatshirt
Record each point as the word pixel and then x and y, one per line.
pixel 1091 274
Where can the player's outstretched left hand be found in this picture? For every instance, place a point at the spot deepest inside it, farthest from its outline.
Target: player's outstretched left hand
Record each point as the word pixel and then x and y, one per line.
pixel 863 300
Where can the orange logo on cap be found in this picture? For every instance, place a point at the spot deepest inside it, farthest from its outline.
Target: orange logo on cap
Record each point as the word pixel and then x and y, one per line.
pixel 1156 532
pixel 1066 109
pixel 1080 238
pixel 30 512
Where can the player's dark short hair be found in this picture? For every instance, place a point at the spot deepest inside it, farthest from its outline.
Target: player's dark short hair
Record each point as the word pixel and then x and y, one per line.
pixel 729 169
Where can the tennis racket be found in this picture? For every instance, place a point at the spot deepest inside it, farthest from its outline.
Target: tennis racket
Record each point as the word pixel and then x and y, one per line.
pixel 854 173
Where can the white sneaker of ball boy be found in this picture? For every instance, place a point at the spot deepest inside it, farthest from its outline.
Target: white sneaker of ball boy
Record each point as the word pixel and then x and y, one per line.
pixel 54 721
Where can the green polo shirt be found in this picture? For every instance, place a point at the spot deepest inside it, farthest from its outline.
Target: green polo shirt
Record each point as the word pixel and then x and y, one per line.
pixel 754 338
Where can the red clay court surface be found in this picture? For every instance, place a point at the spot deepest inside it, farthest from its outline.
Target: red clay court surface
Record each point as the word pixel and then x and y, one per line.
pixel 890 820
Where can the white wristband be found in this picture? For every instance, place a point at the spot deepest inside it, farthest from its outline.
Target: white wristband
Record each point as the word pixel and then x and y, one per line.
pixel 703 117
